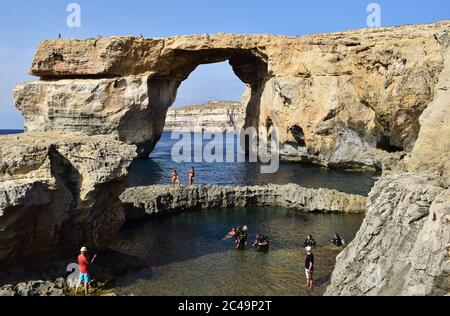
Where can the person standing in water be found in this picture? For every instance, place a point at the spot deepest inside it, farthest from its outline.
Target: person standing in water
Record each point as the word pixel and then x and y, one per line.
pixel 309 268
pixel 85 277
pixel 191 174
pixel 175 179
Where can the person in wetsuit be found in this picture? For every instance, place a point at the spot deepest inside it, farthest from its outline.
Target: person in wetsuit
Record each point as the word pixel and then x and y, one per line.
pixel 242 236
pixel 310 242
pixel 337 240
pixel 261 243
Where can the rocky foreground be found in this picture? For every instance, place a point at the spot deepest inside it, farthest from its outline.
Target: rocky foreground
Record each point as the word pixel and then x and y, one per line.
pixel 142 201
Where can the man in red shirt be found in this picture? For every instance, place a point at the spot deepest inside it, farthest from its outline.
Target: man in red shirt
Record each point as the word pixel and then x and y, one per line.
pixel 85 277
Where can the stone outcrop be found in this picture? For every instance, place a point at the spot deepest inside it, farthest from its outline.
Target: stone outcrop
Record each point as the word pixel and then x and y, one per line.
pixel 58 191
pixel 142 201
pixel 214 116
pixel 335 98
pixel 402 247
pixel 432 149
pixel 36 288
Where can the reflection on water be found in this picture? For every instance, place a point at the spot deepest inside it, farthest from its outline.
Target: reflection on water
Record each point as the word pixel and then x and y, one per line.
pixel 158 168
pixel 187 256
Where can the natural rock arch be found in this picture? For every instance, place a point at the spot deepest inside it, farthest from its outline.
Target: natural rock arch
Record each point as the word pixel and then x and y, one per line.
pixel 349 91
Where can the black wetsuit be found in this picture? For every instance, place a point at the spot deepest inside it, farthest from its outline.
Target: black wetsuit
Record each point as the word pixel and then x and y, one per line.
pixel 337 242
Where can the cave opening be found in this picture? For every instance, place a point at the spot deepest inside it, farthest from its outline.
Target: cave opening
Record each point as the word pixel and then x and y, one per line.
pixel 384 143
pixel 298 134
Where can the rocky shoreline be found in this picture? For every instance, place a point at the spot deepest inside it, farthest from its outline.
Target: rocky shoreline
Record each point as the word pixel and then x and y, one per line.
pixel 141 202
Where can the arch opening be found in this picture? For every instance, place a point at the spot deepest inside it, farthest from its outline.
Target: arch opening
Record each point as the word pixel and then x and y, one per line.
pixel 249 66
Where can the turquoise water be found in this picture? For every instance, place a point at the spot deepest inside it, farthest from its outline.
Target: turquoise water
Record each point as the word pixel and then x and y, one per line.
pixel 157 169
pixel 187 256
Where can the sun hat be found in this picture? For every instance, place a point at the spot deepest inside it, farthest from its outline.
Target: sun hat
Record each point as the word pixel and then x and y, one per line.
pixel 83 249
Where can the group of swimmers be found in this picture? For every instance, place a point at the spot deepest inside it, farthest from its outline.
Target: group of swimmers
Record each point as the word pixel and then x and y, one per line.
pixel 240 234
pixel 176 179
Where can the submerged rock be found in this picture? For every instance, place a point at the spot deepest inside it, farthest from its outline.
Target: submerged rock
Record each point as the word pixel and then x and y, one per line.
pixel 142 201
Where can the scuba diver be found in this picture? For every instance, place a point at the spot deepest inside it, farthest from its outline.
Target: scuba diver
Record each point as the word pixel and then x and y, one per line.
pixel 242 236
pixel 337 240
pixel 261 243
pixel 310 242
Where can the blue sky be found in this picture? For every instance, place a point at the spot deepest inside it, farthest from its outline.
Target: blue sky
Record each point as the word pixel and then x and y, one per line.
pixel 25 23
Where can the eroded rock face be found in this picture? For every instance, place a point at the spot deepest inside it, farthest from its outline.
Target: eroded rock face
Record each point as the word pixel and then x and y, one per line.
pixel 58 191
pixel 402 246
pixel 432 149
pixel 335 98
pixel 142 201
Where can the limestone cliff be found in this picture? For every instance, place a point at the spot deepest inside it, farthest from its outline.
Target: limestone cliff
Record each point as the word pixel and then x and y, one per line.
pixel 58 191
pixel 214 116
pixel 403 245
pixel 337 99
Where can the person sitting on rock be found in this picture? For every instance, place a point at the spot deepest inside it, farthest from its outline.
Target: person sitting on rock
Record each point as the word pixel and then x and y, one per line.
pixel 337 240
pixel 83 264
pixel 310 242
pixel 175 179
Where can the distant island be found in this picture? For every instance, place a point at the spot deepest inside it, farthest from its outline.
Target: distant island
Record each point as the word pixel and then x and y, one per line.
pixel 214 116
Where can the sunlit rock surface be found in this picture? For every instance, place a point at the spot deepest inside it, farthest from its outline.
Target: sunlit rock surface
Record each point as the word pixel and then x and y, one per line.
pixel 333 97
pixel 58 191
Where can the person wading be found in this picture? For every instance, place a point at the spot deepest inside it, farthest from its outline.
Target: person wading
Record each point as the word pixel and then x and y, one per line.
pixel 85 277
pixel 309 268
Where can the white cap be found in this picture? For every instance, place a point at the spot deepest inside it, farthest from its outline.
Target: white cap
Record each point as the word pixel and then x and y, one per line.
pixel 308 249
pixel 245 228
pixel 83 249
